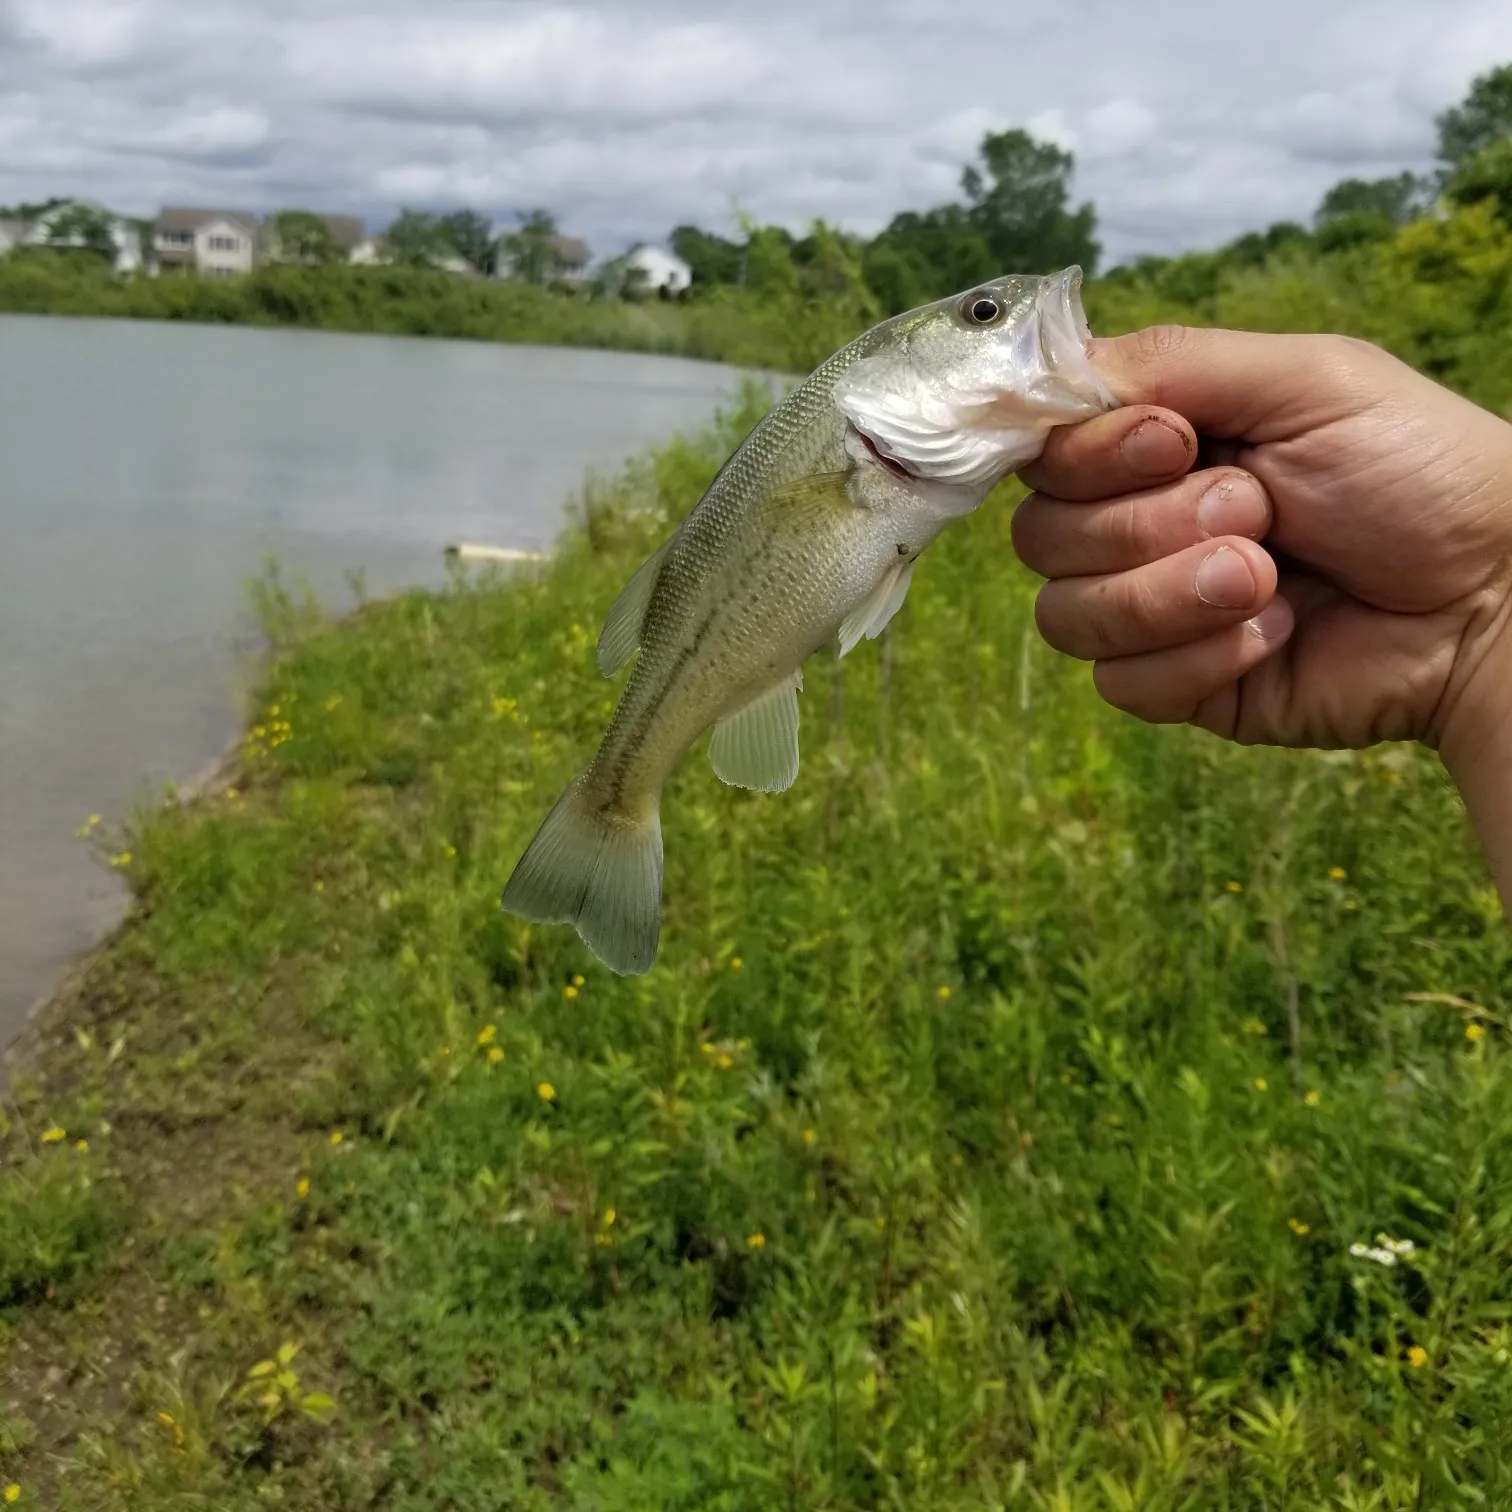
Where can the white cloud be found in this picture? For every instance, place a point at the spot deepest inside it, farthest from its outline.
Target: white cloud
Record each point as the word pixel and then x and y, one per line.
pixel 1189 124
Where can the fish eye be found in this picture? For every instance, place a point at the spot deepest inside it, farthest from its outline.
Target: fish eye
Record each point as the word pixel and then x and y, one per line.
pixel 981 309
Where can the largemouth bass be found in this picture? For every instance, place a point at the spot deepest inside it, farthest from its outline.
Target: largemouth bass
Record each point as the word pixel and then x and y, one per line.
pixel 809 532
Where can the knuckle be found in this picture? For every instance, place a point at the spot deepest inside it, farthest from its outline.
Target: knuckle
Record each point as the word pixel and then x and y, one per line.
pixel 1160 344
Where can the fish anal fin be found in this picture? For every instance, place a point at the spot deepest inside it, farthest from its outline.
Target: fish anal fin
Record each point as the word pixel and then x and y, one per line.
pixel 757 746
pixel 620 637
pixel 871 616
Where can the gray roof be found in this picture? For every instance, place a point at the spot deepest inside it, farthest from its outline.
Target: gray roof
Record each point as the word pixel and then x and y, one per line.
pixel 348 230
pixel 178 218
pixel 572 250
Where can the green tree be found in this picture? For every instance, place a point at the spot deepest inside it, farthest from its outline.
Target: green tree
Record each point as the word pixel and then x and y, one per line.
pixel 416 240
pixel 1398 199
pixel 471 237
pixel 1486 176
pixel 1484 116
pixel 1019 194
pixel 531 251
pixel 79 225
pixel 304 237
pixel 712 259
pixel 927 254
pixel 770 268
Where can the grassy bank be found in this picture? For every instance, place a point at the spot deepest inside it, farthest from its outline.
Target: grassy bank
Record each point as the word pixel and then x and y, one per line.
pixel 993 1132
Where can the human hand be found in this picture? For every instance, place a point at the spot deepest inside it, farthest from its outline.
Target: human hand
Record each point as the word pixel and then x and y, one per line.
pixel 1386 500
pixel 1379 605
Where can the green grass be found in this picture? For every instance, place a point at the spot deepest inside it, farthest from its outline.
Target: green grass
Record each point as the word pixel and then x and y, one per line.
pixel 992 1132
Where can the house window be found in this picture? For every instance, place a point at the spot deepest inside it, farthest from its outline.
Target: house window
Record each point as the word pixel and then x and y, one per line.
pixel 176 238
pixel 223 243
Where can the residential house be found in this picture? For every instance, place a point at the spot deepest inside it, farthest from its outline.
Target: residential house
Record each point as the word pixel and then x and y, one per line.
pixel 653 269
pixel 347 231
pixel 125 239
pixel 370 252
pixel 12 234
pixel 571 259
pixel 212 243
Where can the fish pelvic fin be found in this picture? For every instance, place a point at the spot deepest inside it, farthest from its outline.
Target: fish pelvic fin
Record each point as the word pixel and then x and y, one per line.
pixel 757 746
pixel 871 616
pixel 600 871
pixel 620 638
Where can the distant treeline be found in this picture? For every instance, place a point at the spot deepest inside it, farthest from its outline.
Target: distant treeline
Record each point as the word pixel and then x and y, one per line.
pixel 1421 265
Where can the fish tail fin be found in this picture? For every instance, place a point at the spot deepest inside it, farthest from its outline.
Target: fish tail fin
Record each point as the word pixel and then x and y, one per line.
pixel 599 870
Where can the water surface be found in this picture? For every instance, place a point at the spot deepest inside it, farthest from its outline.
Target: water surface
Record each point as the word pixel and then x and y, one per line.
pixel 145 473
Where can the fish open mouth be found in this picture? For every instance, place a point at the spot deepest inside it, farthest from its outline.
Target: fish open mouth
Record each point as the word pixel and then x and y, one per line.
pixel 892 464
pixel 1064 336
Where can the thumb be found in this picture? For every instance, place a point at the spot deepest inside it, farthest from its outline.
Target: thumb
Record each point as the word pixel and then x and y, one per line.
pixel 1241 384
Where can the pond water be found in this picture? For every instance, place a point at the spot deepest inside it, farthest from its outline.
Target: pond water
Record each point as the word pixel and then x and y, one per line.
pixel 147 471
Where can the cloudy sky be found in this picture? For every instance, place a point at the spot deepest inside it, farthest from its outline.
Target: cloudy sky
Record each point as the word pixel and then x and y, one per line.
pixel 1191 119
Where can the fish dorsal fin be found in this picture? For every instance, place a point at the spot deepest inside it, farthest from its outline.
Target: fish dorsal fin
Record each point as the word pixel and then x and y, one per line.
pixel 870 617
pixel 620 637
pixel 757 746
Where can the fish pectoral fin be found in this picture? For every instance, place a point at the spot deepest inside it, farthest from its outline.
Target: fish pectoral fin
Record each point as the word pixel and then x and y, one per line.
pixel 819 493
pixel 757 746
pixel 620 637
pixel 871 616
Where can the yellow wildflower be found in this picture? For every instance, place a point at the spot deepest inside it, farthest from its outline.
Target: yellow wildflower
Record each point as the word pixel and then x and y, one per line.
pixel 1234 887
pixel 724 1062
pixel 1337 874
pixel 545 1091
pixel 809 1136
pixel 942 993
pixel 609 1217
pixel 121 860
pixel 1312 1097
pixel 336 1136
pixel 1261 1084
pixel 1297 1227
pixel 736 963
pixel 577 981
pixel 11 1495
pixel 302 1187
pixel 495 1055
pixel 54 1135
pixel 756 1241
pixel 487 1034
pixel 569 991
pixel 1475 1033
pixel 1417 1357
pixel 706 1047
pixel 82 1146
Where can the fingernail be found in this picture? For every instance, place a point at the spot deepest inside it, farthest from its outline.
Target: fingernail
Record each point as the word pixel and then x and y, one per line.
pixel 1224 580
pixel 1274 622
pixel 1233 506
pixel 1154 450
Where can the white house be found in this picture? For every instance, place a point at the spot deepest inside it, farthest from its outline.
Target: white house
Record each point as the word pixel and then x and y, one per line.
pixel 654 268
pixel 214 243
pixel 12 235
pixel 124 237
